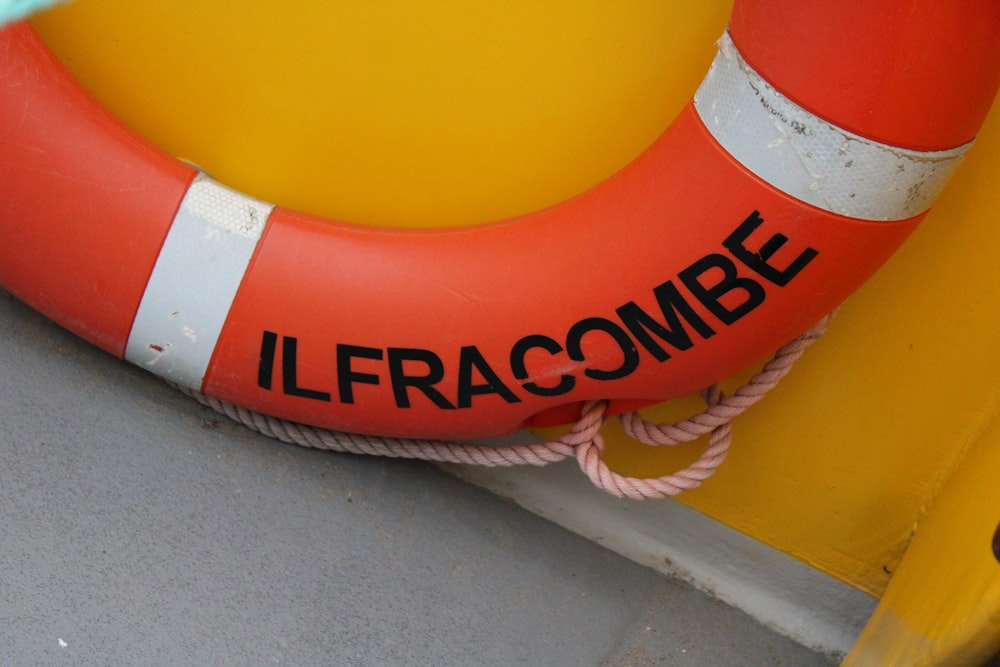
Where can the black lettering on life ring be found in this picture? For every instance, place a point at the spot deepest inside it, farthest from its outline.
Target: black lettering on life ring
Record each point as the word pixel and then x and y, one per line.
pixel 672 307
pixel 472 359
pixel 758 261
pixel 265 368
pixel 399 359
pixel 289 372
pixel 713 280
pixel 711 297
pixel 574 347
pixel 517 364
pixel 347 376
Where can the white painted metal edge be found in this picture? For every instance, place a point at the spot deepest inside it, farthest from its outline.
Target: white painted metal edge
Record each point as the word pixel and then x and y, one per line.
pixel 780 592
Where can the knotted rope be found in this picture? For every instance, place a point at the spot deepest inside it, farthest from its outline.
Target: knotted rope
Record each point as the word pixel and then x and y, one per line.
pixel 583 441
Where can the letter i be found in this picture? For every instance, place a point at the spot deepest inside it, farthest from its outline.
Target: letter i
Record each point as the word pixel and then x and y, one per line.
pixel 265 371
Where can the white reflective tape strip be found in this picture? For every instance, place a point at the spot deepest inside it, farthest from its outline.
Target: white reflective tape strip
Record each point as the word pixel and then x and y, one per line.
pixel 194 281
pixel 807 157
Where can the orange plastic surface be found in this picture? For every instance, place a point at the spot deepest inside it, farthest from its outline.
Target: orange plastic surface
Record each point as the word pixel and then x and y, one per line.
pixel 833 467
pixel 909 73
pixel 84 202
pixel 483 331
pixel 676 272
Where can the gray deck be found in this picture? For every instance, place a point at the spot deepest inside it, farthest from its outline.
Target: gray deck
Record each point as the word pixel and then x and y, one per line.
pixel 140 528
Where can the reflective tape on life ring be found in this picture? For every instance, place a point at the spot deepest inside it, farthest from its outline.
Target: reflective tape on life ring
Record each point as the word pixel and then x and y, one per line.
pixel 194 281
pixel 810 159
pixel 746 221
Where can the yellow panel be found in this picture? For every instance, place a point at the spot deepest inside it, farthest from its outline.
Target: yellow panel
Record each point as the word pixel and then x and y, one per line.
pixel 441 113
pixel 836 465
pixel 943 605
pixel 423 113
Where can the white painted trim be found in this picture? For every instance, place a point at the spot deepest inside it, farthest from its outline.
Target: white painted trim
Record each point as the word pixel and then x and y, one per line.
pixel 780 592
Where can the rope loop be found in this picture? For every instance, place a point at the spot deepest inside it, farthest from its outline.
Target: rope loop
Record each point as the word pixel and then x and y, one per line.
pixel 591 462
pixel 583 441
pixel 727 408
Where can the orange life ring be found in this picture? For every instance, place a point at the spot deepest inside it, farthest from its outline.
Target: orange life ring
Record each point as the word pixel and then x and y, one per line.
pixel 815 145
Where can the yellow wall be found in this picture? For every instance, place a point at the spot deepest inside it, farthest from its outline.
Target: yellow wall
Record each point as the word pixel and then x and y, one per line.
pixel 839 465
pixel 392 112
pixel 943 605
pixel 455 113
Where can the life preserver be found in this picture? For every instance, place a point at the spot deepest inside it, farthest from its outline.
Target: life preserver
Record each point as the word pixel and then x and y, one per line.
pixel 801 164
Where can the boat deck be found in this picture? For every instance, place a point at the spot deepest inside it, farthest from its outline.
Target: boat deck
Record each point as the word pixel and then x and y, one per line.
pixel 140 528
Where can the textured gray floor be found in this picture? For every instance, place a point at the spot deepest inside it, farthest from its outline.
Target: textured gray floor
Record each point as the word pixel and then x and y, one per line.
pixel 139 528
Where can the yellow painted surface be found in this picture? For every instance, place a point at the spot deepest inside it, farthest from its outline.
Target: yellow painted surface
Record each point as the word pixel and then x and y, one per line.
pixel 441 113
pixel 838 464
pixel 943 605
pixel 388 112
